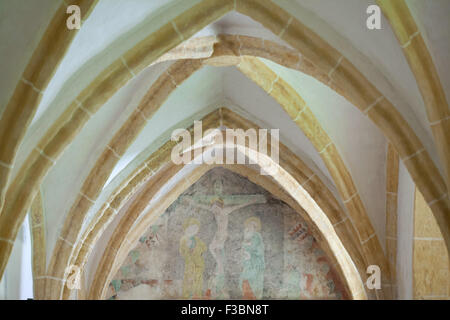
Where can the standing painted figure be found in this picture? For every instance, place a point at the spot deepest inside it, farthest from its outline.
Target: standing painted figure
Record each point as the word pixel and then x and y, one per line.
pixel 221 212
pixel 252 276
pixel 192 249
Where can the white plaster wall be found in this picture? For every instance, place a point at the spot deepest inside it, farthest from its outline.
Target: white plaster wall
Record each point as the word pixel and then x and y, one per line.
pixel 405 225
pixel 17 281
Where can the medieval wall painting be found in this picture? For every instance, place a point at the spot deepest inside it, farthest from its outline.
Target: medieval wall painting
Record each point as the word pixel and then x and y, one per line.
pixel 227 238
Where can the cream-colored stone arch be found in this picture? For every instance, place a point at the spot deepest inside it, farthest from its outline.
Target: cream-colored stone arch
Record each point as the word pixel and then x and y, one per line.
pixel 290 162
pixel 345 76
pixel 392 181
pixel 39 264
pixel 124 232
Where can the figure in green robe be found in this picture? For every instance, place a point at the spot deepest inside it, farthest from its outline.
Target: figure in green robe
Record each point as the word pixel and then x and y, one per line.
pixel 221 206
pixel 252 276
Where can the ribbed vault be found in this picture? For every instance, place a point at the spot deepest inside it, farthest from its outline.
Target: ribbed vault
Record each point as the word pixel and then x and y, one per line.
pixel 175 75
pixel 161 158
pixel 353 244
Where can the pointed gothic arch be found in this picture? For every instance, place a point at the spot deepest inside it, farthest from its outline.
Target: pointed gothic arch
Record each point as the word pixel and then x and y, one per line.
pixel 160 158
pixel 122 234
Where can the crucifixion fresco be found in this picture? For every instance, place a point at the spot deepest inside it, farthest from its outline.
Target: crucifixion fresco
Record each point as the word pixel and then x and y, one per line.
pixel 221 206
pixel 227 238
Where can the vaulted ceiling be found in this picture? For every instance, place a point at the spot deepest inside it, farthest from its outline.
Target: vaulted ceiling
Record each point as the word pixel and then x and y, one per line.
pixel 256 60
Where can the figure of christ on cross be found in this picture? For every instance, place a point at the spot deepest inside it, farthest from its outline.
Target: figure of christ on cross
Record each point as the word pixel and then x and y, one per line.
pixel 221 206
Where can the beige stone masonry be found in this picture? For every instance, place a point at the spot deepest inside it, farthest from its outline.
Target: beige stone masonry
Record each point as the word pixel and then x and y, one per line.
pixel 392 176
pixel 39 256
pixel 431 264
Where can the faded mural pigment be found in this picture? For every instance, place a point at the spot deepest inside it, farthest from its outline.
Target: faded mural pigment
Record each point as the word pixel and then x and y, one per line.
pixel 227 238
